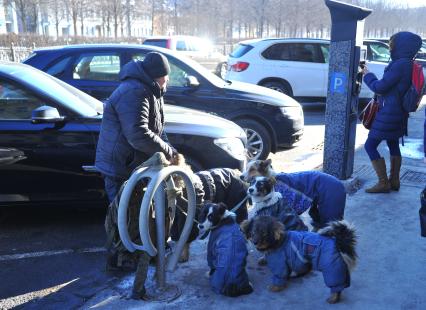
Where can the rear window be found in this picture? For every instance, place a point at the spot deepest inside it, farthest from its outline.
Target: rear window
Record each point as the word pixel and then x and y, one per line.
pixel 156 42
pixel 241 50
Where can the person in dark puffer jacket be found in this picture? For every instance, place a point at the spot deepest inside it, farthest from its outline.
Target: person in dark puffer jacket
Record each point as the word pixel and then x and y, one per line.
pixel 390 122
pixel 133 121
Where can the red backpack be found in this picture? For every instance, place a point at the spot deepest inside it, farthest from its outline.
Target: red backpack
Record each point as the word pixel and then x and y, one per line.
pixel 413 96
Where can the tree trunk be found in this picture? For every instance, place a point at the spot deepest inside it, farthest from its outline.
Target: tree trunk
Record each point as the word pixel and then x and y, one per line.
pixel 129 26
pixel 152 16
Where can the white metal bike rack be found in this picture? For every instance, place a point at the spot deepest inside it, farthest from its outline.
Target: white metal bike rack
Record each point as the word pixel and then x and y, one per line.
pixel 159 181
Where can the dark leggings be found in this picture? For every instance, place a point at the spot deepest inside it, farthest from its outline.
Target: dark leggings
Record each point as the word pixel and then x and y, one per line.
pixel 371 147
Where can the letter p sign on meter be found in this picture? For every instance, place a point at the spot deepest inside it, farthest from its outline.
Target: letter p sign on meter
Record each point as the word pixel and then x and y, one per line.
pixel 338 83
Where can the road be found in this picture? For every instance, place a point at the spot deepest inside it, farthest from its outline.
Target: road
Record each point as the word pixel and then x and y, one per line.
pixel 54 257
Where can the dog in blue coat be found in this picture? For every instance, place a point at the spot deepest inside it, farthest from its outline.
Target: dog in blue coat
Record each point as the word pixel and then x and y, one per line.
pixel 321 193
pixel 331 251
pixel 226 250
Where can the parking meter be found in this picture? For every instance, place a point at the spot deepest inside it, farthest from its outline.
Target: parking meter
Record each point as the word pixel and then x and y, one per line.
pixel 344 84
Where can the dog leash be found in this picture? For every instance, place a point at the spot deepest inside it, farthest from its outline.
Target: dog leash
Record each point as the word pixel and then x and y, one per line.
pixel 239 204
pixel 232 210
pixel 186 214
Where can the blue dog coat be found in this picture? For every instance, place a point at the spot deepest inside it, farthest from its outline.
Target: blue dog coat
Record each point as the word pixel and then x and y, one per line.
pixel 305 189
pixel 301 250
pixel 226 256
pixel 282 211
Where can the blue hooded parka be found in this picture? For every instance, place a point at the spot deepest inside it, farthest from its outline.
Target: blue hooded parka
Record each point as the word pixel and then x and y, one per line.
pixel 390 122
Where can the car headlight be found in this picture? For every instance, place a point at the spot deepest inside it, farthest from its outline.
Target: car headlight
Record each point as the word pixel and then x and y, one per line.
pixel 292 112
pixel 233 146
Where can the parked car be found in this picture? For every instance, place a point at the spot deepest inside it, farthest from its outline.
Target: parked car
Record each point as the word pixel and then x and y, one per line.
pixel 378 55
pixel 271 120
pixel 49 131
pixel 295 67
pixel 199 49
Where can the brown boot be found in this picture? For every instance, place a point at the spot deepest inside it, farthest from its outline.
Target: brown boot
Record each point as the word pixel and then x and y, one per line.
pixel 394 172
pixel 383 186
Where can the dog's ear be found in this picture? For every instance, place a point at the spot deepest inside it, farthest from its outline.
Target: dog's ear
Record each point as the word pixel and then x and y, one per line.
pixel 246 227
pixel 222 208
pixel 279 230
pixel 272 180
pixel 268 162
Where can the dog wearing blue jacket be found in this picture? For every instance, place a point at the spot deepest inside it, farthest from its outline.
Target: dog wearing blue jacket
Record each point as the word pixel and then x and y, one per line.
pixel 226 250
pixel 331 251
pixel 321 193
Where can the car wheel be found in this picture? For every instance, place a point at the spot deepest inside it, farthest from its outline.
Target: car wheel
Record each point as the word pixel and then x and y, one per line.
pixel 258 139
pixel 221 70
pixel 195 164
pixel 281 87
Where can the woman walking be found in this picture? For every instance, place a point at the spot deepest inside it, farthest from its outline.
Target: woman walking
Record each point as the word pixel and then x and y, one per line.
pixel 390 122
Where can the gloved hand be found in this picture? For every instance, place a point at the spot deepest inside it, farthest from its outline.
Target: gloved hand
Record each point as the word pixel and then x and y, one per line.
pixel 175 160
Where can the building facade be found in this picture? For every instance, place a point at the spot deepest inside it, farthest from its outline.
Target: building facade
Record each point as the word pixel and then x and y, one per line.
pixel 58 23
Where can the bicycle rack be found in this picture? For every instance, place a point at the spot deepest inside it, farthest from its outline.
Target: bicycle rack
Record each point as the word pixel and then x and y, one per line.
pixel 160 180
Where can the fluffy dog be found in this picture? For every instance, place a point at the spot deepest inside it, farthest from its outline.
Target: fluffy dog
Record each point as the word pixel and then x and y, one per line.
pixel 331 250
pixel 226 251
pixel 214 185
pixel 266 201
pixel 323 194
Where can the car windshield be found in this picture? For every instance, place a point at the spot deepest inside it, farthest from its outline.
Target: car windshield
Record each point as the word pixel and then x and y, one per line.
pixel 156 42
pixel 61 92
pixel 212 78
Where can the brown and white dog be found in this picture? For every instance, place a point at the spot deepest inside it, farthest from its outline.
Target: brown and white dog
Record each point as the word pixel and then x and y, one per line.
pixel 322 194
pixel 256 168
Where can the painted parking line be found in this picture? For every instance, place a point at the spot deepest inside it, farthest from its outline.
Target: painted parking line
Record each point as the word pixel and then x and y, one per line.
pixel 50 253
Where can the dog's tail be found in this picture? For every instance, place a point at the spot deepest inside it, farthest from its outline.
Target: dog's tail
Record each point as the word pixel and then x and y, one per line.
pixel 346 240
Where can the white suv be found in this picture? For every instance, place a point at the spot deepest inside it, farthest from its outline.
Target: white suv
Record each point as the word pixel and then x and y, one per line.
pixel 296 67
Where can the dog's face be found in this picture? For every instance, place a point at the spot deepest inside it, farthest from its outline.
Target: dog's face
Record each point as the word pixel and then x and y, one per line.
pixel 210 216
pixel 257 168
pixel 265 232
pixel 261 186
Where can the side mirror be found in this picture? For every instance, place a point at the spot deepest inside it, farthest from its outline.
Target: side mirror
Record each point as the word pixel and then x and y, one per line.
pixel 192 81
pixel 46 114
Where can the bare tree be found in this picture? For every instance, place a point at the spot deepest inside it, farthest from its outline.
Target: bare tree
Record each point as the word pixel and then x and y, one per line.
pixel 56 12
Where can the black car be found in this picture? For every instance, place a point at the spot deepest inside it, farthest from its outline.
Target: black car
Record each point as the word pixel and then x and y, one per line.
pixel 270 119
pixel 49 131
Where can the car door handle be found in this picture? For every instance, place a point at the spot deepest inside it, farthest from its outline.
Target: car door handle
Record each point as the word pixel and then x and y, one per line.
pixel 89 168
pixel 10 156
pixel 11 160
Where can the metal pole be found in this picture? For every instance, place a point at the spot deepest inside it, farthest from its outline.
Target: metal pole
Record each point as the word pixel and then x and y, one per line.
pixel 160 219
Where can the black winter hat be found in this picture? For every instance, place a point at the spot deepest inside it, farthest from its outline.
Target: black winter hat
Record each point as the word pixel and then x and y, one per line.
pixel 156 65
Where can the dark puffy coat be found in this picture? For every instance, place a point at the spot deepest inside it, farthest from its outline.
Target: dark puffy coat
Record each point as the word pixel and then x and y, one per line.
pixel 132 124
pixel 214 185
pixel 301 250
pixel 226 257
pixel 390 121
